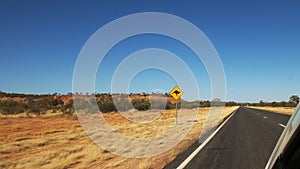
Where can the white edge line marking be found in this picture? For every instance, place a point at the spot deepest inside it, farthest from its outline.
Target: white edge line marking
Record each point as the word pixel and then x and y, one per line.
pixel 190 157
pixel 281 125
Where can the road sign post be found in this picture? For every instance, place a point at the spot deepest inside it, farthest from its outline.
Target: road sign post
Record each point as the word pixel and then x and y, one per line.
pixel 176 93
pixel 176 113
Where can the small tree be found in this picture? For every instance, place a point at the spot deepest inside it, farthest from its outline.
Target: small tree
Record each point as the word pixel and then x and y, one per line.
pixel 262 103
pixel 294 99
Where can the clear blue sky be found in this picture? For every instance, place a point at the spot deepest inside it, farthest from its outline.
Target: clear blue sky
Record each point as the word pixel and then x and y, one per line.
pixel 257 41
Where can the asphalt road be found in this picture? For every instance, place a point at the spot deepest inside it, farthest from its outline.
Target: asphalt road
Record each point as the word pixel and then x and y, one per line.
pixel 246 141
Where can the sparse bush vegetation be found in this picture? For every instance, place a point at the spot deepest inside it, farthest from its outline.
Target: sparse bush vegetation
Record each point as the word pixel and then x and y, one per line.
pixel 13 103
pixel 170 105
pixel 158 104
pixel 105 103
pixel 141 104
pixel 12 107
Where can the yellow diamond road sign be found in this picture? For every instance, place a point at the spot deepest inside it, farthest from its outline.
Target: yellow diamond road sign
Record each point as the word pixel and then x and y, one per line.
pixel 176 92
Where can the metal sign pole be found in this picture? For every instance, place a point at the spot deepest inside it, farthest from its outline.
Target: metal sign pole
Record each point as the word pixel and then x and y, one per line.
pixel 176 92
pixel 176 114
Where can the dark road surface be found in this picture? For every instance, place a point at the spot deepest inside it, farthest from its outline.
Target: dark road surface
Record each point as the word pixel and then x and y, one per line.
pixel 246 141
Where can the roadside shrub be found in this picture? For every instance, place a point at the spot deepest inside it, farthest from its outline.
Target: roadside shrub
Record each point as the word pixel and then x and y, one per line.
pixel 141 104
pixel 105 103
pixel 12 107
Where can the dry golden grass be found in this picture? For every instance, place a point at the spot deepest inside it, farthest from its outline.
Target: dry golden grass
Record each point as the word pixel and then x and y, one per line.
pixel 60 142
pixel 27 114
pixel 281 110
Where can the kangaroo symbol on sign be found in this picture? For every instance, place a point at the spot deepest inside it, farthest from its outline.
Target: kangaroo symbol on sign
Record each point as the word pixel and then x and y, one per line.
pixel 176 92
